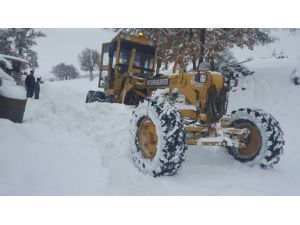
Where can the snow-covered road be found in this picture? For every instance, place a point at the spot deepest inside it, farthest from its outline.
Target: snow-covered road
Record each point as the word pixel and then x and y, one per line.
pixel 67 147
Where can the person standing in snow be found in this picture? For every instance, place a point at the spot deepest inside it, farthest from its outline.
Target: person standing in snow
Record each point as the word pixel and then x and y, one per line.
pixel 37 88
pixel 29 82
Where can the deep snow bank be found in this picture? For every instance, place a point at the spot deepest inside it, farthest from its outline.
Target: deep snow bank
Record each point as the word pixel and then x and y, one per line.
pixel 9 88
pixel 67 147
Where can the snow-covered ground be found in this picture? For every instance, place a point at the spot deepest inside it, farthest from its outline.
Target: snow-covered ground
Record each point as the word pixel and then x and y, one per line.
pixel 67 147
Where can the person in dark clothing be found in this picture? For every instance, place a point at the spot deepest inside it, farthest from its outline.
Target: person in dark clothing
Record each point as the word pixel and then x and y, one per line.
pixel 29 82
pixel 37 88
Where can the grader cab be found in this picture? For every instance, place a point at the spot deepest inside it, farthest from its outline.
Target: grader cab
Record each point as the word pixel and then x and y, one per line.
pixel 127 61
pixel 189 109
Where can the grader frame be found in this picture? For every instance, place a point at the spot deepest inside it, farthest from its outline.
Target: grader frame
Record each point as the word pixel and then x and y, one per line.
pixel 126 78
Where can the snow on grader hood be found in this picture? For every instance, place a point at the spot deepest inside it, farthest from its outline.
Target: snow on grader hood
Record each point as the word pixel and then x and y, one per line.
pixel 181 109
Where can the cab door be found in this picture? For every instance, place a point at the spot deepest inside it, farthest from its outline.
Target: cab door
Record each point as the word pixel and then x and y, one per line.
pixel 107 63
pixel 104 63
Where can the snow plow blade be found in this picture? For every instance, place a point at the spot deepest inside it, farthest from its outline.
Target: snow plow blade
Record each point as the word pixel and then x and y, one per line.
pixel 95 96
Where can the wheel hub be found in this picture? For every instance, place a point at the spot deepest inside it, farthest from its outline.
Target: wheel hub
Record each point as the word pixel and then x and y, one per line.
pixel 251 144
pixel 147 138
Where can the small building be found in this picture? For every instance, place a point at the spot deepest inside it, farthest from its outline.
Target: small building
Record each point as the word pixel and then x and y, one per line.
pixel 12 95
pixel 14 66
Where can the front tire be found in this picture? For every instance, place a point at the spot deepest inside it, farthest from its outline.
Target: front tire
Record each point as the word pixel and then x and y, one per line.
pixel 158 138
pixel 264 146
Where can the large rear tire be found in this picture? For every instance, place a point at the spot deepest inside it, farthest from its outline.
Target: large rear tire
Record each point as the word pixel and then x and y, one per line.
pixel 264 145
pixel 158 138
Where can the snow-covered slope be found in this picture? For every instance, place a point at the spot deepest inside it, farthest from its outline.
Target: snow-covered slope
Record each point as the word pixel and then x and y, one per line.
pixel 67 147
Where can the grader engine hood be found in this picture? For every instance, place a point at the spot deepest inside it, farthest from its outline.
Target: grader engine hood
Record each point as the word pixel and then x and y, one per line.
pixel 217 79
pixel 216 98
pixel 212 94
pixel 206 90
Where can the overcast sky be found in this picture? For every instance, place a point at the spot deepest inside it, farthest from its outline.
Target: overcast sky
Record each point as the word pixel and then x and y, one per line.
pixel 64 45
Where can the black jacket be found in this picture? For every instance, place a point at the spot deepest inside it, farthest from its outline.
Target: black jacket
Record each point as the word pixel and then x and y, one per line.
pixel 29 81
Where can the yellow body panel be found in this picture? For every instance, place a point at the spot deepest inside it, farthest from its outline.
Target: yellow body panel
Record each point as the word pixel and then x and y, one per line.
pixel 196 92
pixel 189 85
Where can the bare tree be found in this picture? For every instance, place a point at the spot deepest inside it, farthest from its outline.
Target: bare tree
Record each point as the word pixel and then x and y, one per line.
pixel 32 58
pixel 65 72
pixel 89 61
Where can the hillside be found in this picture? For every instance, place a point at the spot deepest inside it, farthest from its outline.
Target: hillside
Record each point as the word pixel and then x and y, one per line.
pixel 67 147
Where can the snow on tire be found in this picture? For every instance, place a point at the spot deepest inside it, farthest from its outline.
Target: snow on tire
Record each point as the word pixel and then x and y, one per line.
pixel 169 142
pixel 270 134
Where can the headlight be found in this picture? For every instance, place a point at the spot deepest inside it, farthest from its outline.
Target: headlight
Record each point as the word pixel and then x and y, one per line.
pixel 202 78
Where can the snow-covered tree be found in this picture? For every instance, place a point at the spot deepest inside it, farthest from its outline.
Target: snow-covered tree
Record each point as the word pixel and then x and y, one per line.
pixel 89 61
pixel 5 43
pixel 65 72
pixel 19 42
pixel 182 46
pixel 32 58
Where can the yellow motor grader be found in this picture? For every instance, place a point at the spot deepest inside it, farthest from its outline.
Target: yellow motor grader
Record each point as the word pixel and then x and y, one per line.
pixel 181 109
